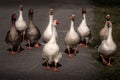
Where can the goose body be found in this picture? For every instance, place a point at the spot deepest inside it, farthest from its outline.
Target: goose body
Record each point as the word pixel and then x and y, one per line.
pixel 83 29
pixel 21 23
pixel 32 33
pixel 108 47
pixel 103 34
pixel 72 37
pixel 13 38
pixel 51 51
pixel 47 34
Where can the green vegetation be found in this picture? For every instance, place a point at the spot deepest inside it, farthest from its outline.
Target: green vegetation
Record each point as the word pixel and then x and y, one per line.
pixel 102 8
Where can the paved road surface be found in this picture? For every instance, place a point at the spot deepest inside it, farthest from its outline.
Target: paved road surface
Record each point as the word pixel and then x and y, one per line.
pixel 27 65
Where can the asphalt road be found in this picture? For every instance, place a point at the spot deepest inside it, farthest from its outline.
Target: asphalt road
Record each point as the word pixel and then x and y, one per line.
pixel 27 65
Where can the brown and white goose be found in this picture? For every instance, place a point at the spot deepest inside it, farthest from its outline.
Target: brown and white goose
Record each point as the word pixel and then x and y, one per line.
pixel 103 34
pixel 72 38
pixel 51 50
pixel 47 34
pixel 107 48
pixel 32 33
pixel 83 29
pixel 13 38
pixel 21 23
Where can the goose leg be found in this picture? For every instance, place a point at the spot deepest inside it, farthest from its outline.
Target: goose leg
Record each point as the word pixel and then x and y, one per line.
pixel 103 60
pixel 86 44
pixel 55 69
pixel 23 34
pixel 48 67
pixel 36 45
pixel 81 42
pixel 12 52
pixel 75 51
pixel 69 54
pixel 18 50
pixel 29 47
pixel 109 64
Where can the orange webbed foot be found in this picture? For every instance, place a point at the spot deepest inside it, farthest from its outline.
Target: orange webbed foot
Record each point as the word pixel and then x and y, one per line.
pixel 55 70
pixel 36 45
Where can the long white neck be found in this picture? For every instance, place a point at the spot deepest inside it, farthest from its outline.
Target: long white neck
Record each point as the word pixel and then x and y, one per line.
pixel 20 15
pixel 109 39
pixel 53 38
pixel 50 22
pixel 84 17
pixel 72 26
pixel 50 18
pixel 83 23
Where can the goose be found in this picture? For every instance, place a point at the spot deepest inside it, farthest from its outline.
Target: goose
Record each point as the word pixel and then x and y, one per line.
pixel 47 34
pixel 32 33
pixel 107 48
pixel 72 38
pixel 104 31
pixel 21 23
pixel 51 50
pixel 83 29
pixel 13 38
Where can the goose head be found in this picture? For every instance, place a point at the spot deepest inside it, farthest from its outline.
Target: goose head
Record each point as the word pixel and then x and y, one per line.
pixel 108 17
pixel 56 22
pixel 30 12
pixel 73 17
pixel 83 12
pixel 13 18
pixel 51 11
pixel 21 7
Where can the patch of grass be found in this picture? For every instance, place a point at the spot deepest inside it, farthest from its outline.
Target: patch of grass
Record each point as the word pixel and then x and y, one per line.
pixel 107 2
pixel 102 8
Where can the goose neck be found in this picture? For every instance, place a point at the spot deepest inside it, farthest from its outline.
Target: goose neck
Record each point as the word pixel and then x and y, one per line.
pixel 31 19
pixel 72 26
pixel 20 15
pixel 84 16
pixel 109 39
pixel 53 39
pixel 50 18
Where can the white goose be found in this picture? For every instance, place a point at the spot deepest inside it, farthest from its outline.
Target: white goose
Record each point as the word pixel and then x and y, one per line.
pixel 72 38
pixel 83 29
pixel 108 47
pixel 21 23
pixel 103 34
pixel 51 51
pixel 47 34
